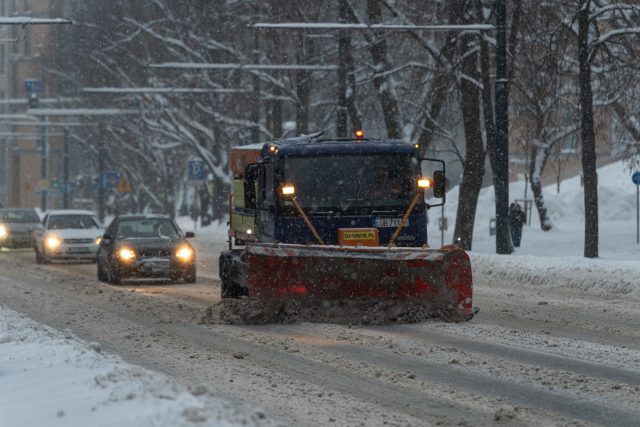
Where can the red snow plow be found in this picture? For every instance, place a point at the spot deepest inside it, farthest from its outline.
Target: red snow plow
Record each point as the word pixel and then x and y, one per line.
pixel 317 221
pixel 440 279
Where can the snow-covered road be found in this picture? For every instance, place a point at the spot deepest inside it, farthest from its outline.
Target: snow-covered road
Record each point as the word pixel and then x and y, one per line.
pixel 537 354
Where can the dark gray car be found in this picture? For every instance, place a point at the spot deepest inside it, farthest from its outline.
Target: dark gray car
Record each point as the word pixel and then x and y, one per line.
pixel 145 246
pixel 17 227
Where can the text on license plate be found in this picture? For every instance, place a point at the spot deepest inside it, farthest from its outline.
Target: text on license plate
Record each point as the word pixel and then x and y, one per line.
pixel 390 222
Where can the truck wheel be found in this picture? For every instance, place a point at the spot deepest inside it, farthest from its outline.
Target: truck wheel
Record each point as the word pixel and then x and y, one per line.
pixel 228 289
pixel 231 290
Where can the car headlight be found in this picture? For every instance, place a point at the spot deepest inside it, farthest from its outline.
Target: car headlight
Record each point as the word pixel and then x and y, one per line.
pixel 98 240
pixel 53 242
pixel 3 231
pixel 184 253
pixel 126 254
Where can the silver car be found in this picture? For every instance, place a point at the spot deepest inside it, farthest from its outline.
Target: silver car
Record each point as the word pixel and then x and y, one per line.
pixel 17 227
pixel 68 235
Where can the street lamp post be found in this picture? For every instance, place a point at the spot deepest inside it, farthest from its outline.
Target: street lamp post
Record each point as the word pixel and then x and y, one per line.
pixel 503 238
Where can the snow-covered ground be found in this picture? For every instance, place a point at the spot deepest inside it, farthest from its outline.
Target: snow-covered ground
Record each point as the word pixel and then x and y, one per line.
pixel 49 378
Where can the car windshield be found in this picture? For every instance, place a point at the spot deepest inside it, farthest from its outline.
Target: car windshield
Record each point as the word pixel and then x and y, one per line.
pixel 61 222
pixel 19 215
pixel 344 182
pixel 147 228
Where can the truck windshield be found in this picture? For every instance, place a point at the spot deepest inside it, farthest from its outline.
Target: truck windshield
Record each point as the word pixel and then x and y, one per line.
pixel 347 182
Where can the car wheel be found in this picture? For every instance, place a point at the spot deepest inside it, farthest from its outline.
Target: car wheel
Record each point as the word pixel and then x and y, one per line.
pixel 114 277
pixel 102 275
pixel 38 256
pixel 44 259
pixel 190 276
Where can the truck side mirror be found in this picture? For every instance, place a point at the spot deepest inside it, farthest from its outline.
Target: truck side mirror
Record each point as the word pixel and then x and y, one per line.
pixel 438 184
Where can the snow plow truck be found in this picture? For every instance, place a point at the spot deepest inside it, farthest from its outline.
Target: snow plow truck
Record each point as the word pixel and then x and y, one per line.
pixel 332 219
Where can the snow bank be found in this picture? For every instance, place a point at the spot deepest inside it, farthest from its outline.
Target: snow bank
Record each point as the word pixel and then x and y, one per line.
pixel 602 277
pixel 50 379
pixel 617 217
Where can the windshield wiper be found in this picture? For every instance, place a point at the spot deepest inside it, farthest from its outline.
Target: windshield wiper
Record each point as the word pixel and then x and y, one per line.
pixel 321 212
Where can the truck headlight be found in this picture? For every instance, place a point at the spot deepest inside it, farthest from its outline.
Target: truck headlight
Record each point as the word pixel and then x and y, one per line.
pixel 184 254
pixel 424 183
pixel 3 232
pixel 53 242
pixel 126 254
pixel 287 190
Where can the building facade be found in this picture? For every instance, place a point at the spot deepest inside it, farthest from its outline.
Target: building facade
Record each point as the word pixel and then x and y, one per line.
pixel 30 151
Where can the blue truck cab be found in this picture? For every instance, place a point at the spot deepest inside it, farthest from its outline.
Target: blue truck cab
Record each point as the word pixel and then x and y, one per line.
pixel 339 184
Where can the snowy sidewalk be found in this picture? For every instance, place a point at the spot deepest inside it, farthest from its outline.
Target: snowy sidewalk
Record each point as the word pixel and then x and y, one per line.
pixel 613 278
pixel 52 379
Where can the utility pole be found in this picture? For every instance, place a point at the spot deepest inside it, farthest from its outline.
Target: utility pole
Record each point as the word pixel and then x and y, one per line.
pixel 503 237
pixel 65 171
pixel 341 112
pixel 102 154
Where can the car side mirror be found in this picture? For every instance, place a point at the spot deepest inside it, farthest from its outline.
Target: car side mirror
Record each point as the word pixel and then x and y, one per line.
pixel 189 235
pixel 438 184
pixel 107 237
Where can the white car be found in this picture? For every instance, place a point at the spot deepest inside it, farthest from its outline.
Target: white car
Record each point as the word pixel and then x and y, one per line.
pixel 68 234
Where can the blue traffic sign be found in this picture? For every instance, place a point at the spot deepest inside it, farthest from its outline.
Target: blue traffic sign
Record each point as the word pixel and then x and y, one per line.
pixel 196 170
pixel 636 178
pixel 33 86
pixel 109 180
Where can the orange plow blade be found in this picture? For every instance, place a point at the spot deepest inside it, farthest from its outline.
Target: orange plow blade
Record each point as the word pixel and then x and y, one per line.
pixel 440 278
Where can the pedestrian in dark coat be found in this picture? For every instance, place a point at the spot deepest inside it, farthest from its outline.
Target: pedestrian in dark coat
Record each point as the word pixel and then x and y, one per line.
pixel 517 218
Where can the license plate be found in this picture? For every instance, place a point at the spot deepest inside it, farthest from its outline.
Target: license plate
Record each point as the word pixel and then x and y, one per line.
pixel 78 250
pixel 358 237
pixel 390 222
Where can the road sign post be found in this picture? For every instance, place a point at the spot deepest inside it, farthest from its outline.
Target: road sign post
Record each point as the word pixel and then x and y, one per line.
pixel 636 180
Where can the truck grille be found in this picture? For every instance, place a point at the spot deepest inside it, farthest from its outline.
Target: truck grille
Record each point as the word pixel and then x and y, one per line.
pixel 78 241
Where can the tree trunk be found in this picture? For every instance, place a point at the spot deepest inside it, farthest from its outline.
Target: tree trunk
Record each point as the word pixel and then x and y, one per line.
pixel 276 118
pixel 303 88
pixel 352 106
pixel 587 136
pixel 383 84
pixel 536 166
pixel 475 152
